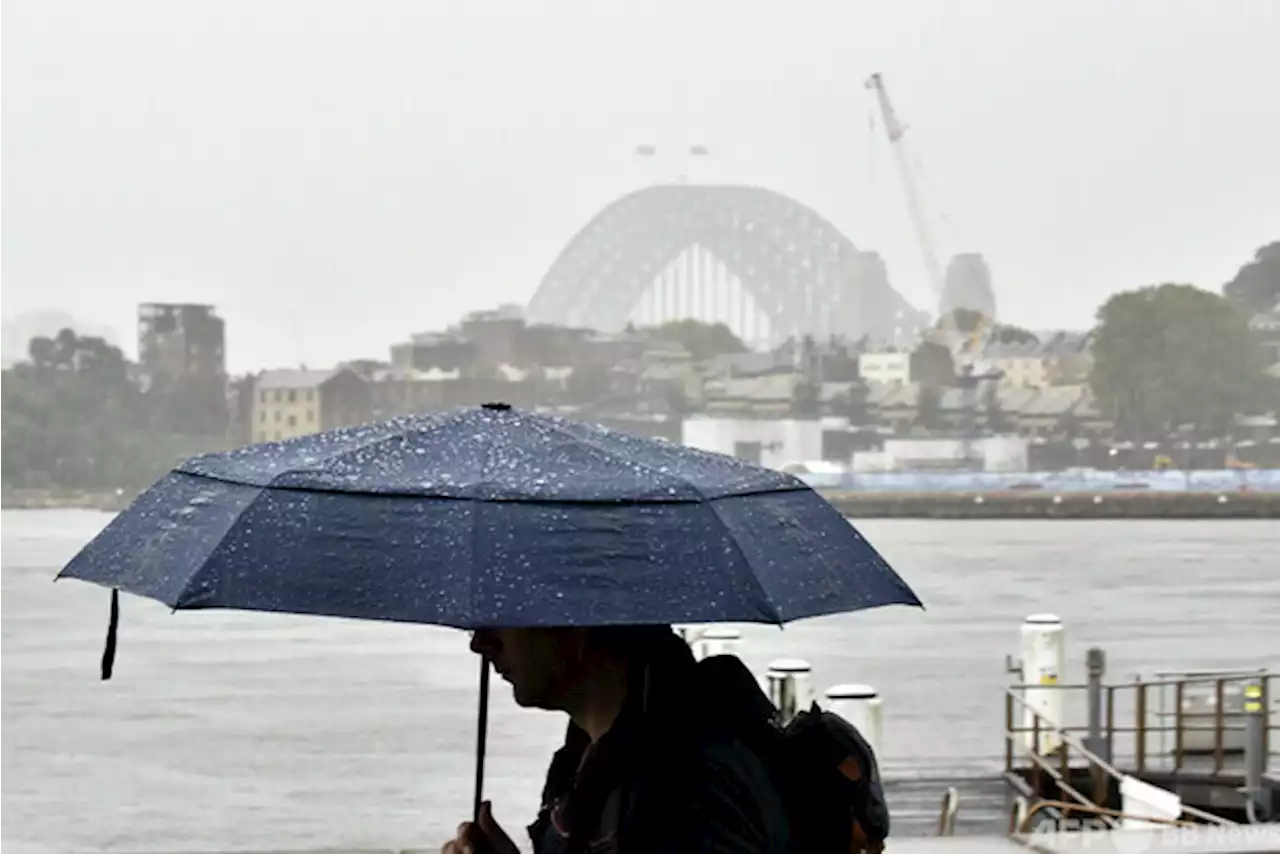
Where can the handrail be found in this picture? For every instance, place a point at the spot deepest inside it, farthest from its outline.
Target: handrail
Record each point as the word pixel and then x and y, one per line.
pixel 1017 814
pixel 1216 721
pixel 1233 676
pixel 1067 738
pixel 1094 760
pixel 1060 780
pixel 1063 784
pixel 947 814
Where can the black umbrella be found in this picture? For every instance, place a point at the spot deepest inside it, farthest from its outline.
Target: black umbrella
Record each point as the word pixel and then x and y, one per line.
pixel 488 518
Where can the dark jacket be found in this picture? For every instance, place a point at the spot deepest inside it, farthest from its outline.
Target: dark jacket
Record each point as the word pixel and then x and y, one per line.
pixel 672 776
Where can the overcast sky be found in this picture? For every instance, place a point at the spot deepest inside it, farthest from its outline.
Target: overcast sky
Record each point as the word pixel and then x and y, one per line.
pixel 335 176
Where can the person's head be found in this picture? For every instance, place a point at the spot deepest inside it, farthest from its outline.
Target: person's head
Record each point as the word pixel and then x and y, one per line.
pixel 552 668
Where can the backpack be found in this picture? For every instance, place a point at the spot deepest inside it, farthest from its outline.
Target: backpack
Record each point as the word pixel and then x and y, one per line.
pixel 825 769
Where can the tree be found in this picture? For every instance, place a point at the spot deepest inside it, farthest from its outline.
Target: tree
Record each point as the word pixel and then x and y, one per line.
pixel 997 418
pixel 963 319
pixel 929 407
pixel 1256 288
pixel 806 399
pixel 74 418
pixel 932 365
pixel 702 340
pixel 967 320
pixel 1014 335
pixel 1169 355
pixel 855 403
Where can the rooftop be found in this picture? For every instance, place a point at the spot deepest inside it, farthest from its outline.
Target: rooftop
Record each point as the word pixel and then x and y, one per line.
pixel 295 378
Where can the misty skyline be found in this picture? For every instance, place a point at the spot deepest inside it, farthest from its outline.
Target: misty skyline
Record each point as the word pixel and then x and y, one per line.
pixel 336 176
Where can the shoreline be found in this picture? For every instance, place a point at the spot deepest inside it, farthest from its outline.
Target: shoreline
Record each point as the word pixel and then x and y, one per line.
pixel 64 499
pixel 1057 505
pixel 886 505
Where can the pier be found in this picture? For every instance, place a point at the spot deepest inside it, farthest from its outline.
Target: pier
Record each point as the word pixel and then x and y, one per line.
pixel 1014 504
pixel 1205 739
pixel 1174 762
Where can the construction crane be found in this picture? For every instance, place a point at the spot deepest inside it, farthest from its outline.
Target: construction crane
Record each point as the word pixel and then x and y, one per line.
pixel 926 241
pixel 965 348
pixel 896 132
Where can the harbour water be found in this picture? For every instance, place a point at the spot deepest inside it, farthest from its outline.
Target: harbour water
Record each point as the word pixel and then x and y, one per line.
pixel 239 731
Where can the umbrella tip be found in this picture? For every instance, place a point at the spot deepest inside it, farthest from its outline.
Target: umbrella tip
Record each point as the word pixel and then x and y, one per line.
pixel 496 407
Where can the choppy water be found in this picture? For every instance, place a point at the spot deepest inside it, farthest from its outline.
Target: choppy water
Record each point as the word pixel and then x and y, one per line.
pixel 236 731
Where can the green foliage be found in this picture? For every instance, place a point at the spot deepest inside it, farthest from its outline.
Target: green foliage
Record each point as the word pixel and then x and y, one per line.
pixel 967 320
pixel 932 365
pixel 1014 335
pixel 1171 355
pixel 806 399
pixel 702 340
pixel 963 319
pixel 998 420
pixel 929 407
pixel 1256 288
pixel 74 418
pixel 854 403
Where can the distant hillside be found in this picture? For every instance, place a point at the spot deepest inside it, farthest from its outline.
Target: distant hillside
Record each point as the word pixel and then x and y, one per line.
pixel 17 331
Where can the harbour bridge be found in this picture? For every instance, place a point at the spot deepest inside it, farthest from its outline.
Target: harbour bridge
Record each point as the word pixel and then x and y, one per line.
pixel 762 263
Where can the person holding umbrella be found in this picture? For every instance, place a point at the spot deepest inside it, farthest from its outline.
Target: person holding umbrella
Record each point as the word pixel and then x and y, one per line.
pixel 650 763
pixel 568 549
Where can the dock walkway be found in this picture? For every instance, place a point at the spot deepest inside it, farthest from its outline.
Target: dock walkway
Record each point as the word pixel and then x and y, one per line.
pixel 1239 840
pixel 915 806
pixel 1257 839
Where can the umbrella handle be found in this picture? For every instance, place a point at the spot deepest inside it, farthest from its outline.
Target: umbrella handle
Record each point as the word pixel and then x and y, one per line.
pixel 482 728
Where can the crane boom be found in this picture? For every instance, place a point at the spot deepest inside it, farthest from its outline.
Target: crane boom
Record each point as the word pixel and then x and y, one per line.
pixel 895 130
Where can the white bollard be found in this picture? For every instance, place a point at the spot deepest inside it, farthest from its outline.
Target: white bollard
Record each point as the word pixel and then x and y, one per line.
pixel 715 640
pixel 1044 662
pixel 789 688
pixel 859 705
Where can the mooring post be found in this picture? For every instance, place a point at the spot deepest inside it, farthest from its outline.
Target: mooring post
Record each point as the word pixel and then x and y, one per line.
pixel 1096 664
pixel 788 681
pixel 1257 796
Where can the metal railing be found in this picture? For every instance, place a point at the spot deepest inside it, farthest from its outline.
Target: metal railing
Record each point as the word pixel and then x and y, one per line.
pixel 1058 767
pixel 1042 765
pixel 947 812
pixel 1180 736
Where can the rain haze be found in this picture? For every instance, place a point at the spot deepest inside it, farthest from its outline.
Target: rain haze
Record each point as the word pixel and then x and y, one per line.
pixel 342 176
pixel 319 318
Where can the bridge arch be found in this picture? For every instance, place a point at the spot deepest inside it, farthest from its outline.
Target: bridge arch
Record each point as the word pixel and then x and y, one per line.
pixel 805 275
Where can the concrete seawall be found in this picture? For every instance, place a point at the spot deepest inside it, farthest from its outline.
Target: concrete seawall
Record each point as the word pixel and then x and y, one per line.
pixel 902 505
pixel 1068 505
pixel 64 499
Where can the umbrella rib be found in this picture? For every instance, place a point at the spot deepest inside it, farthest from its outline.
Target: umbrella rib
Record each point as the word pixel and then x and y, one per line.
pixel 475 531
pixel 777 618
pixel 371 445
pixel 653 469
pixel 333 490
pixel 178 601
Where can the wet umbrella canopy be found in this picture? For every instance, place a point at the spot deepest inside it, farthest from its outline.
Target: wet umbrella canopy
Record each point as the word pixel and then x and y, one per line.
pixel 484 518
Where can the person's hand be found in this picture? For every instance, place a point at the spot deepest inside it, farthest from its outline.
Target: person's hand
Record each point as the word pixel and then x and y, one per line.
pixel 482 836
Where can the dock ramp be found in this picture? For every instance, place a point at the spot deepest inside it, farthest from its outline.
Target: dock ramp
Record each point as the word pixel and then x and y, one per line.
pixel 1255 839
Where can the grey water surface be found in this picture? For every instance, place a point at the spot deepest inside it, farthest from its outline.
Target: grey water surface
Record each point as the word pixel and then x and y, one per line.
pixel 234 731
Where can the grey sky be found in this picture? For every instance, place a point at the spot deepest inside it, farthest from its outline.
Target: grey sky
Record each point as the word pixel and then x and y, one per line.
pixel 337 175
